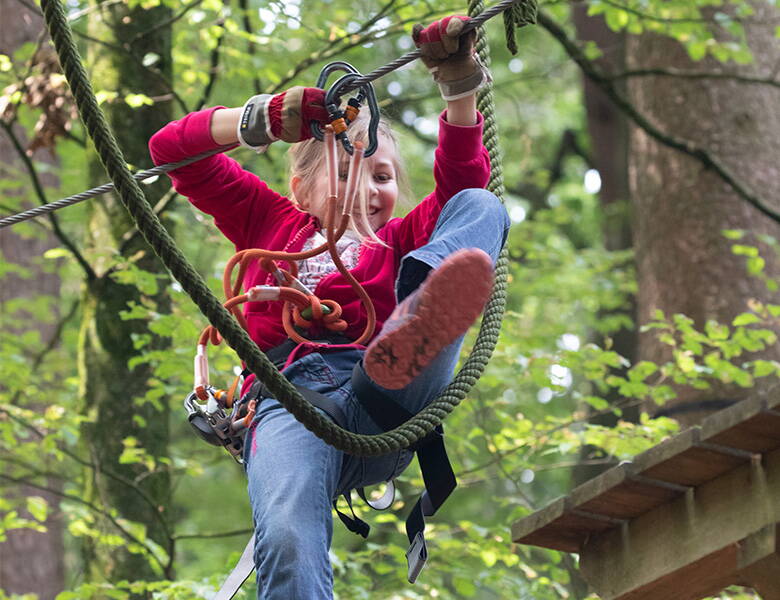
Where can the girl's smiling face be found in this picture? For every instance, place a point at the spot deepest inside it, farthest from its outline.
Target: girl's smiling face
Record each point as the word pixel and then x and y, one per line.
pixel 379 183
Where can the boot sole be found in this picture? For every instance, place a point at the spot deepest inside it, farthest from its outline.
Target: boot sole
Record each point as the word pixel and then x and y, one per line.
pixel 451 299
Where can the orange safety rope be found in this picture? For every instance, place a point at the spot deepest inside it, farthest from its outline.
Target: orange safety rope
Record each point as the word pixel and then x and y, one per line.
pixel 296 298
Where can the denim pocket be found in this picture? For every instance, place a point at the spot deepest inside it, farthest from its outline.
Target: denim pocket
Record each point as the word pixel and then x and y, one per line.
pixel 378 469
pixel 313 372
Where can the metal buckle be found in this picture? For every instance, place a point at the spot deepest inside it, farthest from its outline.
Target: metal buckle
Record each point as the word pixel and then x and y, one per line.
pixel 213 425
pixel 416 556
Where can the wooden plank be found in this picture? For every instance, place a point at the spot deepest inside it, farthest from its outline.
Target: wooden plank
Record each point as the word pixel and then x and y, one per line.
pixel 693 467
pixel 752 562
pixel 555 527
pixel 748 425
pixel 629 499
pixel 670 545
pixel 724 442
pixel 704 577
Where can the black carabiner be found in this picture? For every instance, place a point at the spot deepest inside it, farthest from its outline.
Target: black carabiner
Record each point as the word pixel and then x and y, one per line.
pixel 333 105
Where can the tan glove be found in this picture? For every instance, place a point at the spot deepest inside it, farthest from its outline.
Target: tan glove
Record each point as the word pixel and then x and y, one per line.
pixel 450 56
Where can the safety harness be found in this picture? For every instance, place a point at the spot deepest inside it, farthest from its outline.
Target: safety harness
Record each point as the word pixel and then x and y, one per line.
pixel 437 473
pixel 207 408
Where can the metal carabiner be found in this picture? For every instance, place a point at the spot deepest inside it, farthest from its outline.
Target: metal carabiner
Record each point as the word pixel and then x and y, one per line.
pixel 339 118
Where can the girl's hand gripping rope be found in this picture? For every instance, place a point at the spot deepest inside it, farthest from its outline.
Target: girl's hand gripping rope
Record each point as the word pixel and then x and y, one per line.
pixel 287 116
pixel 451 57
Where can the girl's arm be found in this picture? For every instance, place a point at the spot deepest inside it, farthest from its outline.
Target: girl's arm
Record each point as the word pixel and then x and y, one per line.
pixel 462 111
pixel 461 160
pixel 238 200
pixel 216 185
pixel 224 125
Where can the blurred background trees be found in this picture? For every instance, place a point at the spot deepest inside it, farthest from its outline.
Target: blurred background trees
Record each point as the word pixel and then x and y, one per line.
pixel 641 144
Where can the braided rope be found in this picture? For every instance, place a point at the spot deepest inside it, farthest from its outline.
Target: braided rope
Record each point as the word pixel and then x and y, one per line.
pixel 164 246
pixel 102 189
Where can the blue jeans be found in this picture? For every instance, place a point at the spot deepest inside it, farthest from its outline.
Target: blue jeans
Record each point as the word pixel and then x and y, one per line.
pixel 294 476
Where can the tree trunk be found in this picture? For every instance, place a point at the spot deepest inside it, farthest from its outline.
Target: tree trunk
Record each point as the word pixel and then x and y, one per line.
pixel 30 561
pixel 685 264
pixel 113 393
pixel 608 134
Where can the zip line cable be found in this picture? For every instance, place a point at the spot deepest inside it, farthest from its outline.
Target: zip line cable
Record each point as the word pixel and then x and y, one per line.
pixel 165 168
pixel 106 187
pixel 192 282
pixel 415 54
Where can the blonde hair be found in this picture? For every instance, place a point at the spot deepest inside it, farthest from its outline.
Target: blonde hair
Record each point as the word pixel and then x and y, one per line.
pixel 307 162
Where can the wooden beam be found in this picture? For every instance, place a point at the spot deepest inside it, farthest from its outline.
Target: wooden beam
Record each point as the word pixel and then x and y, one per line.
pixel 724 441
pixel 695 544
pixel 758 562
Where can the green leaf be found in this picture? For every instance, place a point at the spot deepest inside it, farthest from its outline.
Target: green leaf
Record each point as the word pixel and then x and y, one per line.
pixel 464 586
pixel 489 557
pixel 716 331
pixel 697 50
pixel 642 370
pixel 596 402
pixel 38 507
pixel 755 264
pixel 616 18
pixel 733 234
pixel 742 250
pixel 762 368
pixel 745 319
pixel 592 50
pixel 136 100
pixel 54 253
pixel 684 361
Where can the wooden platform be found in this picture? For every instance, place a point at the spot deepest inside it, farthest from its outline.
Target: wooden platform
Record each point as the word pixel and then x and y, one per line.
pixel 683 520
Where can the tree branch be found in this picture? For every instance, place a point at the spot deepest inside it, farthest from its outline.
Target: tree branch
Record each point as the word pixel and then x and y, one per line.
pixel 669 20
pixel 39 191
pixel 693 75
pixel 31 7
pixel 344 43
pixel 212 535
pixel 159 209
pixel 55 337
pixel 251 47
pixel 169 86
pixel 90 465
pixel 166 22
pixel 93 507
pixel 214 57
pixel 90 9
pixel 606 85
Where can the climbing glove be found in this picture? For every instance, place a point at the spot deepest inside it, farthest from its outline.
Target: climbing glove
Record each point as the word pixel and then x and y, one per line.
pixel 266 118
pixel 450 56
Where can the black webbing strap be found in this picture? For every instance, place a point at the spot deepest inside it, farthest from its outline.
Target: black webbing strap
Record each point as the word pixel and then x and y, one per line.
pixel 354 523
pixel 435 465
pixel 321 401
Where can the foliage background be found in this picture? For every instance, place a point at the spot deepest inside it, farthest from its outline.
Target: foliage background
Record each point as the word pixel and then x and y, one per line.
pixel 517 439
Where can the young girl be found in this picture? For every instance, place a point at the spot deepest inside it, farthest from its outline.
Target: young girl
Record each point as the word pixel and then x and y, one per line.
pixel 437 262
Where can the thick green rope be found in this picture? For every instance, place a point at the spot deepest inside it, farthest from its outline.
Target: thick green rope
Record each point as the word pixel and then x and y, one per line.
pixel 165 247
